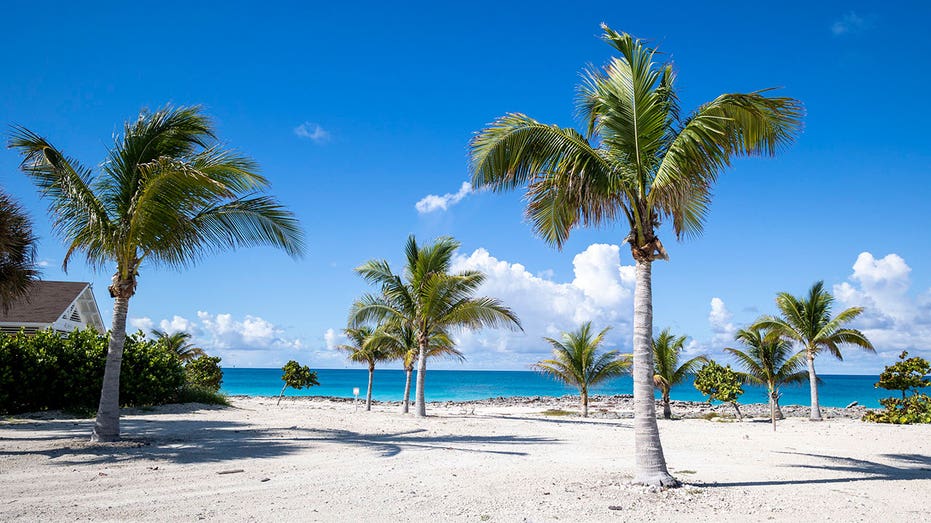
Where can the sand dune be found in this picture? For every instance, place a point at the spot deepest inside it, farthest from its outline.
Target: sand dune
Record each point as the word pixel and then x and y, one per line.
pixel 316 460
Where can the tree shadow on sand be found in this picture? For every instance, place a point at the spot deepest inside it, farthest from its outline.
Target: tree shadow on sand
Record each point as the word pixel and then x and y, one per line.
pixel 391 444
pixel 560 421
pixel 904 467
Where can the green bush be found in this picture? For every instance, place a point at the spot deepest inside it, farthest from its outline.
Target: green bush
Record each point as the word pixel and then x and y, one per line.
pixel 719 383
pixel 204 372
pixel 53 371
pixel 909 373
pixel 192 394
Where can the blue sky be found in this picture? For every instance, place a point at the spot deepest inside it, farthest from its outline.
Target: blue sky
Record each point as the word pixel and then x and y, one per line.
pixel 358 112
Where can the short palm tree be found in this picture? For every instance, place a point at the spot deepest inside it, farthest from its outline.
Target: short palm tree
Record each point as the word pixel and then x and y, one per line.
pixel 179 343
pixel 577 362
pixel 367 345
pixel 668 372
pixel 808 322
pixel 769 360
pixel 166 195
pixel 18 267
pixel 639 161
pixel 428 298
pixel 402 341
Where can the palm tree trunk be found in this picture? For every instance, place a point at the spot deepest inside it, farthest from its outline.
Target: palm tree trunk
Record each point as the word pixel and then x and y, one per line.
pixel 107 425
pixel 406 402
pixel 737 408
pixel 583 395
pixel 667 410
pixel 779 410
pixel 281 394
pixel 650 462
pixel 368 392
pixel 420 407
pixel 813 384
pixel 772 406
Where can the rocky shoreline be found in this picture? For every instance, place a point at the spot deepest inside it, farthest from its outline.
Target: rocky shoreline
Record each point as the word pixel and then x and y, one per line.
pixel 619 406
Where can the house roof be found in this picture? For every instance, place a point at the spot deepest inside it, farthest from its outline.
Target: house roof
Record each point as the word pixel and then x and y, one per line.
pixel 46 301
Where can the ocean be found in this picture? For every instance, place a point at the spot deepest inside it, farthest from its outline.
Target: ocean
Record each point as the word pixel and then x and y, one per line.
pixel 461 385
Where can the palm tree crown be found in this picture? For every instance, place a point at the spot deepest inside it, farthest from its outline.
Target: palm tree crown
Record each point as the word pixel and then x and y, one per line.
pixel 768 359
pixel 18 269
pixel 428 299
pixel 167 195
pixel 179 343
pixel 576 361
pixel 668 372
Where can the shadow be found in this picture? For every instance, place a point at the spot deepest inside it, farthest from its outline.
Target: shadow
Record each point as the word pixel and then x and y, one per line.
pixel 558 421
pixel 905 467
pixel 391 444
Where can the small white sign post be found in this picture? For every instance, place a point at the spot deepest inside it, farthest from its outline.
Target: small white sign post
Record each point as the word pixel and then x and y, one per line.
pixel 355 393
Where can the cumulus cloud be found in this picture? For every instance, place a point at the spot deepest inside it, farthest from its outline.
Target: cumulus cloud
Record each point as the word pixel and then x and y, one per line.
pixel 332 339
pixel 850 23
pixel 313 132
pixel 43 263
pixel 144 324
pixel 432 202
pixel 893 319
pixel 722 328
pixel 601 291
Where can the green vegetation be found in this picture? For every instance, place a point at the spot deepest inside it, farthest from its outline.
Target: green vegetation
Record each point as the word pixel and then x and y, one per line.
pixel 369 346
pixel 18 267
pixel 904 375
pixel 667 371
pixel 719 383
pixel 180 343
pixel 204 373
pixel 50 371
pixel 296 376
pixel 641 160
pixel 192 394
pixel 576 361
pixel 768 360
pixel 428 299
pixel 557 412
pixel 808 322
pixel 167 194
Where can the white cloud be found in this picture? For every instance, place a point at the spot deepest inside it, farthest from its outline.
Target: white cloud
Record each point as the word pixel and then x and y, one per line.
pixel 850 23
pixel 601 291
pixel 313 132
pixel 893 318
pixel 722 328
pixel 43 263
pixel 331 338
pixel 144 324
pixel 432 202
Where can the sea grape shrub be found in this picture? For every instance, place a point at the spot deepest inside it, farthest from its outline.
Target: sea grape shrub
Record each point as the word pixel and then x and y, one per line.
pixel 204 372
pixel 54 371
pixel 904 375
pixel 719 383
pixel 297 376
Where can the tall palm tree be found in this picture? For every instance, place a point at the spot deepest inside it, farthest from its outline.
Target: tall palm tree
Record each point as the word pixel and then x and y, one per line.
pixel 367 345
pixel 179 343
pixel 668 373
pixel 429 298
pixel 577 362
pixel 167 194
pixel 18 267
pixel 808 322
pixel 769 360
pixel 402 341
pixel 637 160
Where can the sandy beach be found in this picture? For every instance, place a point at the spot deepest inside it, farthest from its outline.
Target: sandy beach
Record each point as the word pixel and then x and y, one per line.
pixel 320 460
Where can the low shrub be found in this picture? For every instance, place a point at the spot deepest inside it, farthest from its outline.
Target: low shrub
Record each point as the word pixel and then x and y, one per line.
pixel 913 409
pixel 194 394
pixel 204 372
pixel 906 374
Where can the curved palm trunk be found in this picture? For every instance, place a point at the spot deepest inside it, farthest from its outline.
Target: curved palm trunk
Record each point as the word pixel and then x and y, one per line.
pixel 667 410
pixel 650 462
pixel 281 394
pixel 737 408
pixel 107 425
pixel 420 406
pixel 583 396
pixel 368 392
pixel 813 384
pixel 406 402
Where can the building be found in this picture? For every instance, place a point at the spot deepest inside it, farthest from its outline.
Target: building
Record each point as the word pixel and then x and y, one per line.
pixel 62 305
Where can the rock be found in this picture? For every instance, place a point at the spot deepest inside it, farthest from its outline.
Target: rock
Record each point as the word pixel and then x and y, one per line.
pixel 854 404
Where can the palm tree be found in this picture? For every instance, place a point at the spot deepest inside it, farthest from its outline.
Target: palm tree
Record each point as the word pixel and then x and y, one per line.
pixel 808 322
pixel 668 373
pixel 637 160
pixel 18 267
pixel 576 361
pixel 367 345
pixel 769 360
pixel 167 195
pixel 402 341
pixel 179 343
pixel 429 298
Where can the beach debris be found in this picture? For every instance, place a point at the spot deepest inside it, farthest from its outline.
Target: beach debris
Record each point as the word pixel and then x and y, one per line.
pixel 231 471
pixel 152 468
pixel 263 480
pixel 615 507
pixel 852 405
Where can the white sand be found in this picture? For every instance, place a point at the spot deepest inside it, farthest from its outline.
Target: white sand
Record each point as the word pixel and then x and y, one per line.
pixel 324 461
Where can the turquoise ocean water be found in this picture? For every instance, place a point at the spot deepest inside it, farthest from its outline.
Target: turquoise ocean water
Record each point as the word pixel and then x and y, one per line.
pixel 460 385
